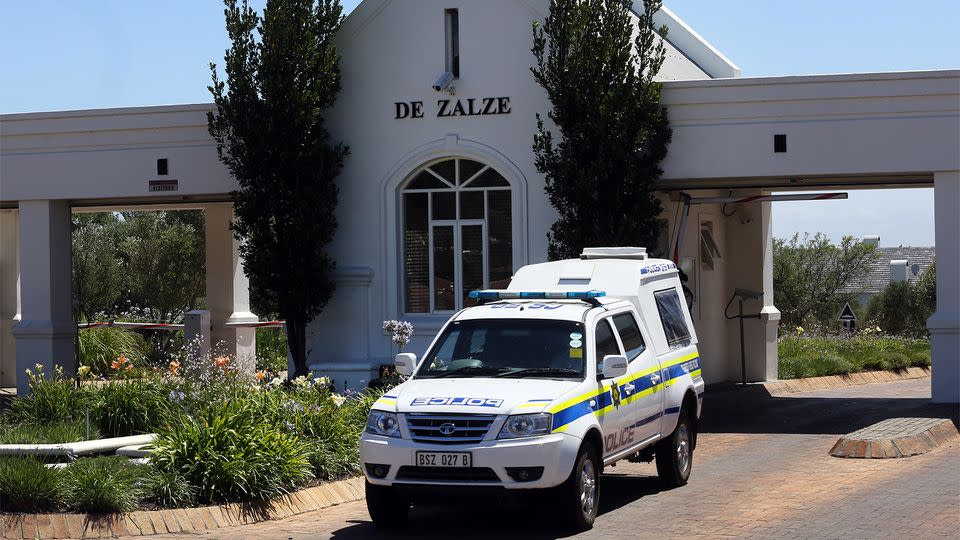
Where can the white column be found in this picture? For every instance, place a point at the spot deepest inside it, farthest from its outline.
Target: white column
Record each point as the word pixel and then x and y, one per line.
pixel 749 260
pixel 9 295
pixel 944 325
pixel 766 366
pixel 228 294
pixel 45 333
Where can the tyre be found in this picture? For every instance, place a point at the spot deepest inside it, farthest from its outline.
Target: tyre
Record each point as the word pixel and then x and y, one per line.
pixel 387 508
pixel 675 453
pixel 579 496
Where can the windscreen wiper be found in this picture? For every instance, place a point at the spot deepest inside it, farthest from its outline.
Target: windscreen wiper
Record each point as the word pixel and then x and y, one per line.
pixel 564 372
pixel 470 370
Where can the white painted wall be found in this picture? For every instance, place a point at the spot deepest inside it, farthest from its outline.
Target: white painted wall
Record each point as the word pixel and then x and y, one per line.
pixel 845 128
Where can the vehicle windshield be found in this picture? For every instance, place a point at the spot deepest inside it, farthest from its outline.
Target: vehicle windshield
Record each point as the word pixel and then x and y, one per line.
pixel 507 348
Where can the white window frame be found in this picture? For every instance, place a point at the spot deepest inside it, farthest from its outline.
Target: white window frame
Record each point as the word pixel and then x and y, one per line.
pixel 457 224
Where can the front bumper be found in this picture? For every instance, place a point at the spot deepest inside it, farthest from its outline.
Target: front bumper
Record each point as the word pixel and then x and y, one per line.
pixel 555 452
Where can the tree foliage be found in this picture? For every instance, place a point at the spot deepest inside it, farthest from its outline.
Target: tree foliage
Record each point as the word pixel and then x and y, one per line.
pixel 134 265
pixel 597 65
pixel 903 308
pixel 810 272
pixel 282 73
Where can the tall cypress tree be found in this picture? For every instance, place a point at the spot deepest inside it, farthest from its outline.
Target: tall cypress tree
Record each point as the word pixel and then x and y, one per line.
pixel 597 65
pixel 282 75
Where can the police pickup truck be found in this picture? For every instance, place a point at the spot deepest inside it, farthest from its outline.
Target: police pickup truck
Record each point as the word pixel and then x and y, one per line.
pixel 577 365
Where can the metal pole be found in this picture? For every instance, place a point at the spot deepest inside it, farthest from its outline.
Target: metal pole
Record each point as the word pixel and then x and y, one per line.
pixel 743 353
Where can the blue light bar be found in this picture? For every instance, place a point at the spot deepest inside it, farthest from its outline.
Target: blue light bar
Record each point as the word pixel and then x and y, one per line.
pixel 535 295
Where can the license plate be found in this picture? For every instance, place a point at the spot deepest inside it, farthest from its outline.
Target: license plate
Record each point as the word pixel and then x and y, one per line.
pixel 444 459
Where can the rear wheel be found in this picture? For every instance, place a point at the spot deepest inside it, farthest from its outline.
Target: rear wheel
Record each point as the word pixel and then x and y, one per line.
pixel 387 508
pixel 675 453
pixel 580 494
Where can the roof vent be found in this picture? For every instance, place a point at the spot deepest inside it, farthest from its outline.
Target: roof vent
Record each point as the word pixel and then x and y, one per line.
pixel 636 253
pixel 898 270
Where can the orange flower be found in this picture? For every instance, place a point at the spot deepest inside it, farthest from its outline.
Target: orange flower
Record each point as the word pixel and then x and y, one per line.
pixel 123 360
pixel 174 367
pixel 221 361
pixel 261 375
pixel 115 364
pixel 129 367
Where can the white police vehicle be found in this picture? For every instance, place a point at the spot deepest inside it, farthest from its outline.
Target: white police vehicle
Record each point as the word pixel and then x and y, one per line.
pixel 577 365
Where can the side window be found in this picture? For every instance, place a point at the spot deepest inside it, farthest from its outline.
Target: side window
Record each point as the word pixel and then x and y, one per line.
pixel 671 316
pixel 629 334
pixel 605 343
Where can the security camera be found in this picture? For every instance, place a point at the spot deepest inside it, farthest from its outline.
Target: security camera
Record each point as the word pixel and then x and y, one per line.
pixel 443 83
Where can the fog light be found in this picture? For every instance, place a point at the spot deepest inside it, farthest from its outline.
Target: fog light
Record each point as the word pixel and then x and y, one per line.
pixel 377 470
pixel 525 474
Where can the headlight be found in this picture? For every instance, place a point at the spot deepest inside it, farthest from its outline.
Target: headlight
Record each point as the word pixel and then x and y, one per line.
pixel 526 425
pixel 383 423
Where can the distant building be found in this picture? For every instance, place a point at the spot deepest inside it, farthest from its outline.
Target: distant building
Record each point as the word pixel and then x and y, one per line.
pixel 904 263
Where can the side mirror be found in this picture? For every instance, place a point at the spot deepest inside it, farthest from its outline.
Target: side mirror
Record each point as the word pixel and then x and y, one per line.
pixel 614 365
pixel 405 363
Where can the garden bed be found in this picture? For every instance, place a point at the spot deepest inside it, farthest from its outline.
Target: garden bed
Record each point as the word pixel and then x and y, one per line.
pixel 802 355
pixel 178 521
pixel 221 437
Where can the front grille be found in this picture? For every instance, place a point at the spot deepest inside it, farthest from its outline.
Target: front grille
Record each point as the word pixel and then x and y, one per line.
pixel 467 428
pixel 475 474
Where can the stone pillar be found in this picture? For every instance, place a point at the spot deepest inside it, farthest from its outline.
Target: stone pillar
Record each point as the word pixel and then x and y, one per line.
pixel 46 331
pixel 944 325
pixel 228 294
pixel 9 295
pixel 749 259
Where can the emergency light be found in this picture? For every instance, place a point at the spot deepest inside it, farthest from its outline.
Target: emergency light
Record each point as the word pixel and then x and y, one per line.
pixel 536 295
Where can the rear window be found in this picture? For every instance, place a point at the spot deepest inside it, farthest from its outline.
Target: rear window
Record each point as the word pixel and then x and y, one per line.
pixel 629 334
pixel 671 316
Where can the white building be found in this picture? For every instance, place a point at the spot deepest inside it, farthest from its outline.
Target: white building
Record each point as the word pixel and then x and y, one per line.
pixel 440 194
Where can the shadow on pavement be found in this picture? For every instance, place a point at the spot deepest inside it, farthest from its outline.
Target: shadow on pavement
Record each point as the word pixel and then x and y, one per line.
pixel 504 517
pixel 751 409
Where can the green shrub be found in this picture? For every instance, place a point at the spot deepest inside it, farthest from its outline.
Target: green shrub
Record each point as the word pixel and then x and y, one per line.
pixel 99 347
pixel 169 489
pixel 27 485
pixel 102 485
pixel 58 432
pixel 271 349
pixel 131 407
pixel 226 451
pixel 51 399
pixel 811 356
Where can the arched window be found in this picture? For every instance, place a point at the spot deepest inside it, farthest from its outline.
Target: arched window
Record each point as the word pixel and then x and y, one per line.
pixel 457 234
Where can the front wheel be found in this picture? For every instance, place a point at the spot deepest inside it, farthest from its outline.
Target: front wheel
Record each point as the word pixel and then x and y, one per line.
pixel 580 494
pixel 387 508
pixel 675 453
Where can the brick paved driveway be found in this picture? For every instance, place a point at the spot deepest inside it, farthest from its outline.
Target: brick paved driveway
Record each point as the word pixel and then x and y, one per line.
pixel 761 469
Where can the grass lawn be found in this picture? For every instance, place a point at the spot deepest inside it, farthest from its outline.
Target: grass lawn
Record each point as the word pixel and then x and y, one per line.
pixel 816 356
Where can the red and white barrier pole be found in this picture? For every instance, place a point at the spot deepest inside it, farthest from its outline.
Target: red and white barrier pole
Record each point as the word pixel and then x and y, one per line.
pixel 688 201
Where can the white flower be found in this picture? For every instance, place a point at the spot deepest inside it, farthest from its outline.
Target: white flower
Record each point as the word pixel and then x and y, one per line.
pixel 337 399
pixel 300 382
pixel 276 381
pixel 322 381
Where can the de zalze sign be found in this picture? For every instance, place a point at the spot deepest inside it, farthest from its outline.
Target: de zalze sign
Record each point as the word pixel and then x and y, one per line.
pixel 446 108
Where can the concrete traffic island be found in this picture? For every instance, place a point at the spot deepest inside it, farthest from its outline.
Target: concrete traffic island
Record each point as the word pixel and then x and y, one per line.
pixel 896 438
pixel 178 520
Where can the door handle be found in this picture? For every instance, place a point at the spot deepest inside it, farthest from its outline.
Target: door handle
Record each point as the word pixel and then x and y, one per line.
pixel 655 378
pixel 628 388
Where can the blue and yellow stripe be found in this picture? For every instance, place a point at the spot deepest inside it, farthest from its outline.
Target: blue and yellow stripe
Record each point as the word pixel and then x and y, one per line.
pixel 600 401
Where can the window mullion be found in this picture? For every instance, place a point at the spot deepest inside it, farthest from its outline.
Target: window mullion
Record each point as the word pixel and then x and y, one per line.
pixel 458 267
pixel 430 249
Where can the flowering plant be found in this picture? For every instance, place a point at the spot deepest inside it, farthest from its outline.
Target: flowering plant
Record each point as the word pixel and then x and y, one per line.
pixel 400 332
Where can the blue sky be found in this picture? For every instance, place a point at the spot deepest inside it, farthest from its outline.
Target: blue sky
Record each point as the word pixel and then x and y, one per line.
pixel 61 54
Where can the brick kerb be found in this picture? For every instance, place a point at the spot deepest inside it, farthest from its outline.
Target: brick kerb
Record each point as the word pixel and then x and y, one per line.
pixel 147 523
